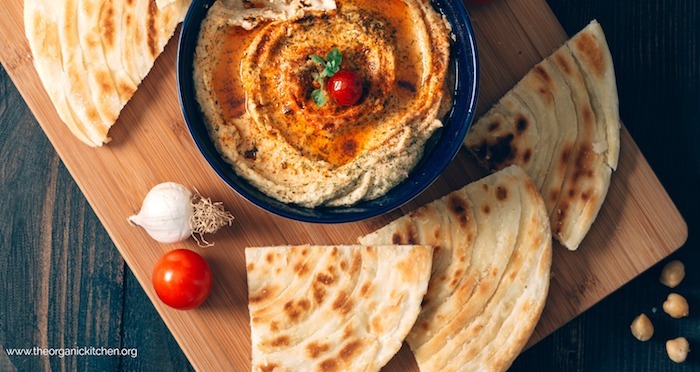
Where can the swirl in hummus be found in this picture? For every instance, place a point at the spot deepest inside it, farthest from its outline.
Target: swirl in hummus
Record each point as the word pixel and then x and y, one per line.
pixel 253 80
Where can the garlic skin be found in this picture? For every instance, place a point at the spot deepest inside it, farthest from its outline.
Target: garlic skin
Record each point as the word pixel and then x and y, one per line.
pixel 166 212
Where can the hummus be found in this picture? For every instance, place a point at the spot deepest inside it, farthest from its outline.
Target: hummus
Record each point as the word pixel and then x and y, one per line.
pixel 253 81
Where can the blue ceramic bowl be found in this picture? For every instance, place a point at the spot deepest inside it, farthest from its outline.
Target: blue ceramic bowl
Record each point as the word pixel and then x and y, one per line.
pixel 440 149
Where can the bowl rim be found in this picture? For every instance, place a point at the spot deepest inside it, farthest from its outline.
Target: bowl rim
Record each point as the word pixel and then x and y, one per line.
pixel 466 85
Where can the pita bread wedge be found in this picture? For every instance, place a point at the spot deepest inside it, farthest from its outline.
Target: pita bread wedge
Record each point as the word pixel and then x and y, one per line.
pixel 333 308
pixel 563 130
pixel 91 55
pixel 490 276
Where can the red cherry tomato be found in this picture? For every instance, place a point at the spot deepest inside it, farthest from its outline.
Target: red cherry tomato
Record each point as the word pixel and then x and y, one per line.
pixel 345 87
pixel 182 279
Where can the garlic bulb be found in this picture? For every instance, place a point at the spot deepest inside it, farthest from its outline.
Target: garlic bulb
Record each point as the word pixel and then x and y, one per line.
pixel 166 212
pixel 171 213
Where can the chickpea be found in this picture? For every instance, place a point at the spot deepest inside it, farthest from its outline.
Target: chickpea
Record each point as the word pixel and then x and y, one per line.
pixel 676 306
pixel 677 349
pixel 642 328
pixel 672 274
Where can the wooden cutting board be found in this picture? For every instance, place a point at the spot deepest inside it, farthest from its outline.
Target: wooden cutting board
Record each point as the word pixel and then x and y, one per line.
pixel 637 226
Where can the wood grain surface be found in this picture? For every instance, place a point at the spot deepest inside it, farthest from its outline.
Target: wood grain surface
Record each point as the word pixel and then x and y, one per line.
pixel 59 301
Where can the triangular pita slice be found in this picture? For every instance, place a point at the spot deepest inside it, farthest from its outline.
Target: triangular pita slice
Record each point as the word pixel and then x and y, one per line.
pixel 490 275
pixel 563 130
pixel 92 54
pixel 333 308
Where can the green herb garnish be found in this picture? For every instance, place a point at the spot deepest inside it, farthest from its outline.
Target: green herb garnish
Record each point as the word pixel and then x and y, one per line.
pixel 330 65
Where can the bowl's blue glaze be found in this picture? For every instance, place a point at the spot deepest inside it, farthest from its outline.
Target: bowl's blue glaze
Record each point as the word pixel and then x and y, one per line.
pixel 439 152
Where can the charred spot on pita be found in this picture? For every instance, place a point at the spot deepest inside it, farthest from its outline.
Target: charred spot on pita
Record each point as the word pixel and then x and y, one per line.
pixel 318 292
pixel 152 31
pixel 280 341
pixel 329 365
pixel 342 303
pixel 314 349
pixel 268 367
pixel 521 124
pixel 325 279
pixel 565 155
pixel 554 195
pixel 349 350
pixel 501 193
pixel 262 294
pixel 295 310
pixel 563 64
pixel 107 26
pixel 588 46
pixel 539 70
pixel 498 151
pixel 458 207
pixel 586 195
pixel 301 269
pixel 365 289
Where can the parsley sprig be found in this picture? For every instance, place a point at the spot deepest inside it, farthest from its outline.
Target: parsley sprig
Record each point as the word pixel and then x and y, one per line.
pixel 330 65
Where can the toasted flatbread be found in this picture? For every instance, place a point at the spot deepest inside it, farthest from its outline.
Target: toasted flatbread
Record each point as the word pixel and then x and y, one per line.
pixel 91 55
pixel 240 13
pixel 490 276
pixel 561 124
pixel 333 308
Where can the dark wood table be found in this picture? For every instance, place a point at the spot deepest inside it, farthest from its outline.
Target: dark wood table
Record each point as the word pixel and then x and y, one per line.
pixel 63 283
